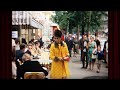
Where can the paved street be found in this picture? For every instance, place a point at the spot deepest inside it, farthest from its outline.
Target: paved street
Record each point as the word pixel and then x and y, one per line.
pixel 78 73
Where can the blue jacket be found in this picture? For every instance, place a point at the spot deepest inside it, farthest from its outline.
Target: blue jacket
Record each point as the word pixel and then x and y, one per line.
pixel 100 55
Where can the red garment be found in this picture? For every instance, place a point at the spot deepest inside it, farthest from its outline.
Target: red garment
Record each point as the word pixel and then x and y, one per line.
pixel 62 38
pixel 67 58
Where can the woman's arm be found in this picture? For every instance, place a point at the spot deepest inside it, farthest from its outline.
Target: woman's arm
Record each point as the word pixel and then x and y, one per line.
pixel 67 56
pixel 52 55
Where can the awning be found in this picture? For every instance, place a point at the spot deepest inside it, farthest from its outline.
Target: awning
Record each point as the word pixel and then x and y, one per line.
pixel 53 24
pixel 35 24
pixel 25 19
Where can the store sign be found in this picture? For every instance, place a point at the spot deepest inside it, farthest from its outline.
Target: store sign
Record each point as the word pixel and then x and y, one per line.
pixel 14 34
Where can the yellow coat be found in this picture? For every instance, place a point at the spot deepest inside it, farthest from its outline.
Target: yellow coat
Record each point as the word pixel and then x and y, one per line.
pixel 59 69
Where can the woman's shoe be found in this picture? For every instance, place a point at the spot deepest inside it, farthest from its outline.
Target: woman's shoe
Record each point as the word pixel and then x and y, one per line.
pixel 97 71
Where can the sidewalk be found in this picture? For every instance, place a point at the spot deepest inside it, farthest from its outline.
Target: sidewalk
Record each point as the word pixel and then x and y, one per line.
pixel 77 73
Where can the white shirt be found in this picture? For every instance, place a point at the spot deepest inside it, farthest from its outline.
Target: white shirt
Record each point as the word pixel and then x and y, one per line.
pixel 17 47
pixel 14 68
pixel 107 47
pixel 85 44
pixel 13 42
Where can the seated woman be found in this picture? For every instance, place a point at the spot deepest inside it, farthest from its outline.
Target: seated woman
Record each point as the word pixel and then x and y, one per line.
pixel 37 49
pixel 30 49
pixel 14 68
pixel 29 66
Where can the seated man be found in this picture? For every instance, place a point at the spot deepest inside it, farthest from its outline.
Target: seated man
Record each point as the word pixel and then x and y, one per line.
pixel 29 66
pixel 19 54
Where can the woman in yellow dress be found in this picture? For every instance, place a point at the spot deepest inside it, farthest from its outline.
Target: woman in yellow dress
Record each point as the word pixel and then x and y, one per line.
pixel 59 55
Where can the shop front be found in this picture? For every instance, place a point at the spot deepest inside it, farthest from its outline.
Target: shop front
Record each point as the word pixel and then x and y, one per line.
pixel 25 27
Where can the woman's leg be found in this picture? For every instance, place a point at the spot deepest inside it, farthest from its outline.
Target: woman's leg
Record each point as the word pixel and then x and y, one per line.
pixel 100 65
pixel 89 60
pixel 89 65
pixel 93 63
pixel 97 65
pixel 107 59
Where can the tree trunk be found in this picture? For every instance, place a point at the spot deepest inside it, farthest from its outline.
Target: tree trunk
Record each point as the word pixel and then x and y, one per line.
pixel 68 27
pixel 82 23
pixel 89 22
pixel 78 34
pixel 78 30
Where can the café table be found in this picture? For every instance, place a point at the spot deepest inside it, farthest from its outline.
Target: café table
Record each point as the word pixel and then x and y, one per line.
pixel 44 62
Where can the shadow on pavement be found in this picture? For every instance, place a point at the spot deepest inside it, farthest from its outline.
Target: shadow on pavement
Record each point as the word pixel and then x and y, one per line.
pixel 96 77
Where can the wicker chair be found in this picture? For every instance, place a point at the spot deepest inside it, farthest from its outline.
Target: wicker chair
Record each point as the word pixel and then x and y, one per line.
pixel 34 75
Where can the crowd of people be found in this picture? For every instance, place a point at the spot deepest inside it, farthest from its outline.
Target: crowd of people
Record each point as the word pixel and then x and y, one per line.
pixel 61 49
pixel 22 55
pixel 90 48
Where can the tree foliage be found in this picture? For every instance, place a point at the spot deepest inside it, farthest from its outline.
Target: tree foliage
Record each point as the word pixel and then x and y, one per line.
pixel 88 21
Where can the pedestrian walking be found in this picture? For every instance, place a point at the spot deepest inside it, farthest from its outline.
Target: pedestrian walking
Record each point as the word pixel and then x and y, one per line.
pixel 59 55
pixel 69 45
pixel 85 51
pixel 99 58
pixel 75 46
pixel 81 47
pixel 92 48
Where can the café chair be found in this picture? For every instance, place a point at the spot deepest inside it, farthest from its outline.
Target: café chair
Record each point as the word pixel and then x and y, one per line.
pixel 34 75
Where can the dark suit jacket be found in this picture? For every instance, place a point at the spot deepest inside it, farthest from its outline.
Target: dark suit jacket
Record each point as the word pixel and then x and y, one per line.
pixel 30 66
pixel 19 54
pixel 69 44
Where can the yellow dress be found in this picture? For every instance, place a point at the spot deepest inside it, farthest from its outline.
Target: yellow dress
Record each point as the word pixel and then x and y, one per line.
pixel 59 69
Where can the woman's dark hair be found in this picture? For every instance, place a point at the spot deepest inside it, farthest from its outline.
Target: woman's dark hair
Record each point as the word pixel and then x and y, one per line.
pixel 58 33
pixel 36 42
pixel 22 46
pixel 17 40
pixel 32 40
pixel 56 44
pixel 99 46
pixel 24 41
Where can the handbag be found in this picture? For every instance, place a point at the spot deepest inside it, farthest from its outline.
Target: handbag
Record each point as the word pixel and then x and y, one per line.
pixel 94 55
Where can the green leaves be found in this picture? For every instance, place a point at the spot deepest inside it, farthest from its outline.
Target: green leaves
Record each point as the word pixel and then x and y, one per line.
pixel 91 21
